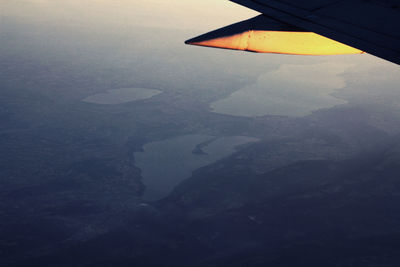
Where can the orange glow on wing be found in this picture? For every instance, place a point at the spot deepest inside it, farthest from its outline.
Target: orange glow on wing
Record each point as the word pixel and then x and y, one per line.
pixel 281 42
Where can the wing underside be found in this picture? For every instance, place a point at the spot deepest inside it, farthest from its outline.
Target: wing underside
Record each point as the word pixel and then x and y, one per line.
pixel 266 35
pixel 372 26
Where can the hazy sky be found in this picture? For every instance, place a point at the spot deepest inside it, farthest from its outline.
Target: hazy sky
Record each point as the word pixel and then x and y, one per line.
pixel 117 33
pixel 177 14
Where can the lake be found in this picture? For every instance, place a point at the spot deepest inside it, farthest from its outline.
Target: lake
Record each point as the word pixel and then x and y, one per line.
pixel 291 90
pixel 166 163
pixel 122 95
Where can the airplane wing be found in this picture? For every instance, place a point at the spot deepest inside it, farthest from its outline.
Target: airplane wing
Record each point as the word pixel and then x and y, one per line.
pixel 314 27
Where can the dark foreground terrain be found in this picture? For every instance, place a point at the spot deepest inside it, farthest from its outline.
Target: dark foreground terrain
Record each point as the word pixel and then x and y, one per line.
pixel 319 196
pixel 309 213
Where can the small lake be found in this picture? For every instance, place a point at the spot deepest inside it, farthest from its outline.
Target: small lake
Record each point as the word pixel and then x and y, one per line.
pixel 166 163
pixel 122 95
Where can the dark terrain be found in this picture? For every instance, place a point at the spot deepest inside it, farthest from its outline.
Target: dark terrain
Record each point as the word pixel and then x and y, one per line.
pixel 319 190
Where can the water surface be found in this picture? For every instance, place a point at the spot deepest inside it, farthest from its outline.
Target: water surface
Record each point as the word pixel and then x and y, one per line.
pixel 122 95
pixel 291 90
pixel 166 163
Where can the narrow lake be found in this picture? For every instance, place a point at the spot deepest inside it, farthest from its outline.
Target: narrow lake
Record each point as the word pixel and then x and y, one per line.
pixel 166 163
pixel 122 95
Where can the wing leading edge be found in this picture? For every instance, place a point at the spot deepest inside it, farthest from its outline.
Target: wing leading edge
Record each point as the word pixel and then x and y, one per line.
pixel 310 27
pixel 265 35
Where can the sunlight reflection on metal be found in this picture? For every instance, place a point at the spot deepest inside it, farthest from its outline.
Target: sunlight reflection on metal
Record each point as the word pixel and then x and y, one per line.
pixel 281 42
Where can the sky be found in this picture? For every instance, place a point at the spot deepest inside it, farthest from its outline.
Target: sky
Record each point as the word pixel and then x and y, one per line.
pixel 177 14
pixel 147 36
